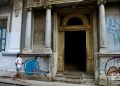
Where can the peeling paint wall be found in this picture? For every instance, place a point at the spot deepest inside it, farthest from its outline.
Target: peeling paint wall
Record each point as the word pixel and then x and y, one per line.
pixel 39 29
pixel 109 62
pixel 113 28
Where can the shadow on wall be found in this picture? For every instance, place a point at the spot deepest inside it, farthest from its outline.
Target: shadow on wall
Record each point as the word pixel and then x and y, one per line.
pixel 31 67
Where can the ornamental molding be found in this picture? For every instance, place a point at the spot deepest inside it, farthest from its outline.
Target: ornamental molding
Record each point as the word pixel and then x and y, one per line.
pixel 48 3
pixel 17 7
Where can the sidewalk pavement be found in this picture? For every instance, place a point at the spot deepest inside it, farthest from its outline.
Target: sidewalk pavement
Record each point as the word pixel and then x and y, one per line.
pixel 37 83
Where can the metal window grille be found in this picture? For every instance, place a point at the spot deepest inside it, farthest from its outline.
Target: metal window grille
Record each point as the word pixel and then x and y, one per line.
pixel 3 25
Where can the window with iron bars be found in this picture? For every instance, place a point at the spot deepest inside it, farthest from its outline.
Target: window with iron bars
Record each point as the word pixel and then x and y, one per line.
pixel 3 30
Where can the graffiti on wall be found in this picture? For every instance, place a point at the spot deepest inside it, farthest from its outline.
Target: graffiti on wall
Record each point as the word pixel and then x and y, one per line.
pixel 112 66
pixel 32 66
pixel 113 30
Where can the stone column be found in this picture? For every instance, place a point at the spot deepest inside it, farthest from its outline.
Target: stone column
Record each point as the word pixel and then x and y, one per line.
pixel 102 27
pixel 28 34
pixel 48 29
pixel 16 26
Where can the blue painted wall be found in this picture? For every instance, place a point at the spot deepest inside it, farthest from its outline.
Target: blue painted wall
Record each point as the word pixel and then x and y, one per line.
pixel 113 33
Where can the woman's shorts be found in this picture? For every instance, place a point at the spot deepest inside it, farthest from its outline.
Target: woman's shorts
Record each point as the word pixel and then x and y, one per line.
pixel 19 70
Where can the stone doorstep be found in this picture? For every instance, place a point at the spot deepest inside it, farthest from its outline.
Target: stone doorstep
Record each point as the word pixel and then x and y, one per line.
pixel 72 77
pixel 74 73
pixel 76 78
pixel 77 81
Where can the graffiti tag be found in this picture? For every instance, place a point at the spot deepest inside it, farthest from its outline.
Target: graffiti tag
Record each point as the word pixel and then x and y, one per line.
pixel 31 67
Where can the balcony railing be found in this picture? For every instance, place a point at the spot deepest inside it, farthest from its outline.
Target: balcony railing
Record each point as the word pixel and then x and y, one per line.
pixel 37 3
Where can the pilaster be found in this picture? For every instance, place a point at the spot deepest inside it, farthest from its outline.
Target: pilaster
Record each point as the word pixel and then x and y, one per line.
pixel 102 26
pixel 28 34
pixel 48 28
pixel 16 25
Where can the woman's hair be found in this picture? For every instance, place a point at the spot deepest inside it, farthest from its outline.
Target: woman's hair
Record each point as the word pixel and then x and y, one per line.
pixel 19 54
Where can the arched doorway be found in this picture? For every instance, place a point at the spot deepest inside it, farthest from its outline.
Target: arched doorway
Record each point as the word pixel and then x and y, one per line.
pixel 75 44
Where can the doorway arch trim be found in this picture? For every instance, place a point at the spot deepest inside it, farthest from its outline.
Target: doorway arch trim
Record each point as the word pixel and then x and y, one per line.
pixel 83 18
pixel 80 16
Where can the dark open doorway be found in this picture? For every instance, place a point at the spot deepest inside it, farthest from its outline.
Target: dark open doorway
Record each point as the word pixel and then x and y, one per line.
pixel 75 50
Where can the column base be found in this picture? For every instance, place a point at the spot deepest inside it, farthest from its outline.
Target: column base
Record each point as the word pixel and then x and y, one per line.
pixel 43 51
pixel 102 50
pixel 13 50
pixel 27 50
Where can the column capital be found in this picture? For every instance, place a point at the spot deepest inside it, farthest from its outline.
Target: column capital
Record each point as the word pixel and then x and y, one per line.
pixel 101 2
pixel 47 6
pixel 28 9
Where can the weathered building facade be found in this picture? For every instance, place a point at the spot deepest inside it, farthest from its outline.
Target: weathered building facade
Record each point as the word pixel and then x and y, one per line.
pixel 63 35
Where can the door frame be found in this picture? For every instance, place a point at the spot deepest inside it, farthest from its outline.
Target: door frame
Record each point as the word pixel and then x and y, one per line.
pixel 89 43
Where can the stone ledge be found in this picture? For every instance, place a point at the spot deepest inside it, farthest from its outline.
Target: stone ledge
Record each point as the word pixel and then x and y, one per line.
pixel 10 53
pixel 41 51
pixel 108 54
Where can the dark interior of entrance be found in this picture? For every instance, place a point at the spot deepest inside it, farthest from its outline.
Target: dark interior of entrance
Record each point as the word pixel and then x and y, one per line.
pixel 75 50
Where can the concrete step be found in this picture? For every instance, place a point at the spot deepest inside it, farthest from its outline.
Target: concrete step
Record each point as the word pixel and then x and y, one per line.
pixel 68 80
pixel 76 78
pixel 74 73
pixel 76 81
pixel 69 76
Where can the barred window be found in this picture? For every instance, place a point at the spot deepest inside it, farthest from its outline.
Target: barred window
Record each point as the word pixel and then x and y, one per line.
pixel 3 29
